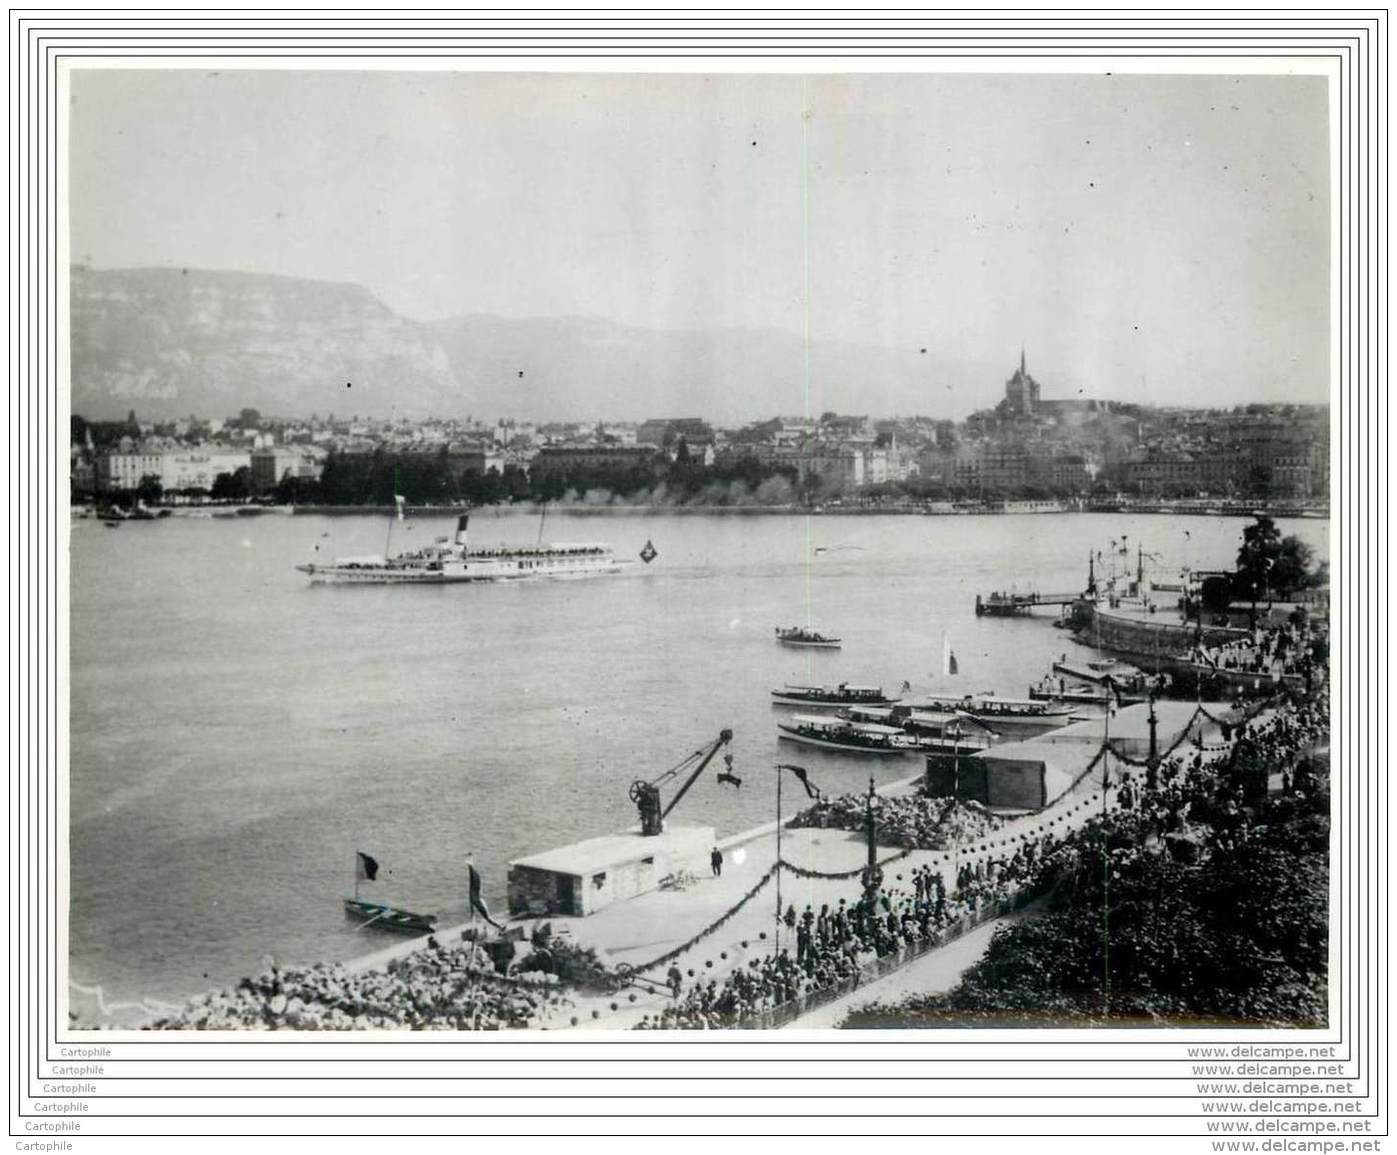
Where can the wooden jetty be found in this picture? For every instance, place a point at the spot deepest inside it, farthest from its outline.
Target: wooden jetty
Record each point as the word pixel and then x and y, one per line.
pixel 1006 605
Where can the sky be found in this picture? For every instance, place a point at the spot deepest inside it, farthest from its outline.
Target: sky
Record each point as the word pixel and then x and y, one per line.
pixel 1147 238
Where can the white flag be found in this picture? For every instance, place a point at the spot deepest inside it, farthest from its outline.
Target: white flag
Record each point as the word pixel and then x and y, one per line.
pixel 949 666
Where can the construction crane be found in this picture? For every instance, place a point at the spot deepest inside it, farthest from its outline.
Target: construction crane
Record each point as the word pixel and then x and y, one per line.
pixel 646 795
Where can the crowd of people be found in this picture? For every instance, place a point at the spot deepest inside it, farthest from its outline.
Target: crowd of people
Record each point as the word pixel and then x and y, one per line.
pixel 1270 651
pixel 838 942
pixel 910 821
pixel 1190 790
pixel 435 988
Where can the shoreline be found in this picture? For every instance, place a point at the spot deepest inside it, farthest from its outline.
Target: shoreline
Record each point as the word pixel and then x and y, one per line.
pixel 581 509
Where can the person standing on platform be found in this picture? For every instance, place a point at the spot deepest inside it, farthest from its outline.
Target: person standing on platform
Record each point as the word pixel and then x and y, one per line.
pixel 716 861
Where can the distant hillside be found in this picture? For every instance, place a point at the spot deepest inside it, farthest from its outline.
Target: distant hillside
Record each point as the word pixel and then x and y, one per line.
pixel 170 342
pixel 581 367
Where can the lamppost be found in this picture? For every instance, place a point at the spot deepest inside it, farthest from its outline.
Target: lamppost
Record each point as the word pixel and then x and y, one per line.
pixel 1106 858
pixel 1152 764
pixel 872 873
pixel 779 776
pixel 812 791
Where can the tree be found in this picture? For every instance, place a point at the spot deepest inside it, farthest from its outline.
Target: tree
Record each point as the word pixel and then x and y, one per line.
pixel 1269 563
pixel 235 486
pixel 1261 543
pixel 150 491
pixel 249 418
pixel 1291 570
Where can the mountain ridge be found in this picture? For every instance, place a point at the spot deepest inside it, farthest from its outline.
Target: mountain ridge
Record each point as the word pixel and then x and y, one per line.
pixel 170 342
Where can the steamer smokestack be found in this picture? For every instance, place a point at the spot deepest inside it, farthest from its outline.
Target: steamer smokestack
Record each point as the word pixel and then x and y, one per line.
pixel 461 528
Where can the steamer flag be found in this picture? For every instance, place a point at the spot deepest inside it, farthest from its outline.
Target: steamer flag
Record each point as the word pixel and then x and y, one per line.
pixel 366 867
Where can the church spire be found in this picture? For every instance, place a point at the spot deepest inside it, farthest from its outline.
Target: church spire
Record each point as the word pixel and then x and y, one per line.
pixel 1023 362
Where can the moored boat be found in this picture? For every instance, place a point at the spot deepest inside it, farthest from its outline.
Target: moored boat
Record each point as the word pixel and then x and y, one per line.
pixel 1059 690
pixel 389 917
pixel 931 732
pixel 380 913
pixel 1015 715
pixel 846 735
pixel 1107 672
pixel 811 639
pixel 826 697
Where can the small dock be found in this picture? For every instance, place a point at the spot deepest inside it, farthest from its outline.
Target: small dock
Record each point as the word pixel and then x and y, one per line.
pixel 1009 605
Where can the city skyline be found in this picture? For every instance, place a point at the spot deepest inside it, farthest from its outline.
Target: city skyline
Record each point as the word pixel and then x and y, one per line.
pixel 1164 239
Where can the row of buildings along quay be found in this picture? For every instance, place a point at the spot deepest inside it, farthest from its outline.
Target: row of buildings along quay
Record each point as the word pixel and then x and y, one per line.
pixel 1027 447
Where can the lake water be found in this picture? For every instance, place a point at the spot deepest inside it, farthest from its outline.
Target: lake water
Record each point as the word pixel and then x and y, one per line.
pixel 236 734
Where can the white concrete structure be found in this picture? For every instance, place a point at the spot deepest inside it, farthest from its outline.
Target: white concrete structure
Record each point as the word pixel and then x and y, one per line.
pixel 586 876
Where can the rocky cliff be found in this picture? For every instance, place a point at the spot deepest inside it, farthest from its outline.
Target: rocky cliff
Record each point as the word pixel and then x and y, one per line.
pixel 170 342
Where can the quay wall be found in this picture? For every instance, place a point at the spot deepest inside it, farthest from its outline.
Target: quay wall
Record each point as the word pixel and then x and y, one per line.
pixel 1150 639
pixel 1160 647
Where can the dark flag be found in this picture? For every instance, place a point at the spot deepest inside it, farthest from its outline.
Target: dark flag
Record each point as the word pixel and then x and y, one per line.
pixel 477 902
pixel 366 867
pixel 475 883
pixel 649 553
pixel 1114 690
pixel 799 771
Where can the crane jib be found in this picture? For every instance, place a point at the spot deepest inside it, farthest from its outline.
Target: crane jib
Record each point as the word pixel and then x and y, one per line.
pixel 646 795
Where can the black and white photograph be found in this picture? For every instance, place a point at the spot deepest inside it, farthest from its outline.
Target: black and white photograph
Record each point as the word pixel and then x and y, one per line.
pixel 699 549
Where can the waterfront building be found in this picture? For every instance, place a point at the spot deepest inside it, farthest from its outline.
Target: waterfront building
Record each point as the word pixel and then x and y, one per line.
pixel 823 459
pixel 197 467
pixel 82 474
pixel 1200 473
pixel 657 430
pixel 175 467
pixel 1004 466
pixel 123 471
pixel 565 458
pixel 273 464
pixel 1061 472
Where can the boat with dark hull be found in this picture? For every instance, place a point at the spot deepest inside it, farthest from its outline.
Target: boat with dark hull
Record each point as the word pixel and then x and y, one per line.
pixel 846 736
pixel 830 697
pixel 809 639
pixel 1061 691
pixel 1023 716
pixel 389 917
pixel 1020 716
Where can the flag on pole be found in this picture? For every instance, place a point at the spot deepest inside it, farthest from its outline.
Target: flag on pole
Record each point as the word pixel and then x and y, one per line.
pixel 949 666
pixel 799 771
pixel 478 902
pixel 365 867
pixel 400 501
pixel 1113 695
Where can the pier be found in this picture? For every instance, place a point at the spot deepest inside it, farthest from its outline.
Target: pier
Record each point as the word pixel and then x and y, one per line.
pixel 1008 605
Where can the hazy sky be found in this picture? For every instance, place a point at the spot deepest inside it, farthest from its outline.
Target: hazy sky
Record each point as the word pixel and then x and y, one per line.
pixel 1148 238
